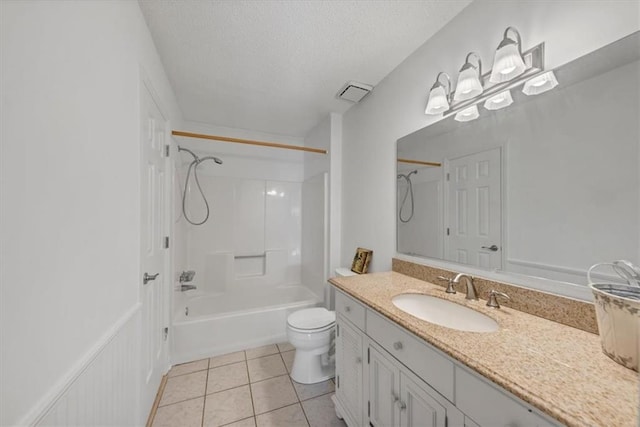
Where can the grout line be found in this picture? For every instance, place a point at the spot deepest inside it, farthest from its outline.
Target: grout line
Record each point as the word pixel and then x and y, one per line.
pixel 187 373
pixel 233 422
pixel 156 402
pixel 204 402
pixel 298 397
pixel 253 408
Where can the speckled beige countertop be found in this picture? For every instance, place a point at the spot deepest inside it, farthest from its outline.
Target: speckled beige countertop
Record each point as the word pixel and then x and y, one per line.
pixel 556 368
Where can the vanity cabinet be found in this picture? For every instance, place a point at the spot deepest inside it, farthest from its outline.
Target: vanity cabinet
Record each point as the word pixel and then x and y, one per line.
pixel 397 398
pixel 386 376
pixel 350 355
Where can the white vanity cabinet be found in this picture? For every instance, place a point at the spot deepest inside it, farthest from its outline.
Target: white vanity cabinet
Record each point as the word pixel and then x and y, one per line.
pixel 388 377
pixel 398 398
pixel 350 358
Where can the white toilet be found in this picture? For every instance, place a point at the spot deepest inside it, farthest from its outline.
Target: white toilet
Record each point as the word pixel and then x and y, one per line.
pixel 311 332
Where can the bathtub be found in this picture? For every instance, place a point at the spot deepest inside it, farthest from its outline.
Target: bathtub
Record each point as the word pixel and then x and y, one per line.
pixel 209 325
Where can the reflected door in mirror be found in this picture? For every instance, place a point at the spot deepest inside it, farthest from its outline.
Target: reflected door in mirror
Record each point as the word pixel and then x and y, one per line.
pixel 474 209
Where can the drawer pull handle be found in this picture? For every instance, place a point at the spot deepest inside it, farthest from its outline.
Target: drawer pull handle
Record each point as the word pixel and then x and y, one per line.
pixel 402 405
pixel 347 309
pixel 358 360
pixel 395 398
pixel 397 345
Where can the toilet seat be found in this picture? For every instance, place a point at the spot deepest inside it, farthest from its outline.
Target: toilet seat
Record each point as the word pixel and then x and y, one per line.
pixel 312 319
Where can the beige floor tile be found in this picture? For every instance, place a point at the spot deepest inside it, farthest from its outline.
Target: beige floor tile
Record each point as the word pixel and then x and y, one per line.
pixel 247 422
pixel 265 350
pixel 184 387
pixel 288 359
pixel 226 377
pixel 187 368
pixel 184 414
pixel 272 394
pixel 285 346
pixel 266 367
pixel 321 412
pixel 291 416
pixel 308 391
pixel 227 406
pixel 226 359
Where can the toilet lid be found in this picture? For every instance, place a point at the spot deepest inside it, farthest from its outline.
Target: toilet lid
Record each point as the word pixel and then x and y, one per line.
pixel 311 318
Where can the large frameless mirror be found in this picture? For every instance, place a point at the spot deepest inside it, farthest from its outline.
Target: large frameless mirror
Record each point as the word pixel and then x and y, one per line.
pixel 546 187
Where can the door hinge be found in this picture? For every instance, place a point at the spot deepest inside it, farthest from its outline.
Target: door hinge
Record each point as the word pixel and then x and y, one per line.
pixel 166 242
pixel 338 381
pixel 368 355
pixel 337 330
pixel 448 177
pixel 447 231
pixel 166 150
pixel 368 408
pixel 165 333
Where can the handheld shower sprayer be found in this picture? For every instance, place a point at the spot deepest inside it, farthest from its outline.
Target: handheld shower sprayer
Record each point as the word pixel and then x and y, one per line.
pixel 407 178
pixel 194 165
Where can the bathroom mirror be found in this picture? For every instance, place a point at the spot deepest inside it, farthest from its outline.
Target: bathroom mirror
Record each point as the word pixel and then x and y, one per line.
pixel 545 187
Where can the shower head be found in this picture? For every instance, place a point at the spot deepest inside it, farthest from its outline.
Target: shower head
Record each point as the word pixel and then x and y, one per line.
pixel 215 159
pixel 412 172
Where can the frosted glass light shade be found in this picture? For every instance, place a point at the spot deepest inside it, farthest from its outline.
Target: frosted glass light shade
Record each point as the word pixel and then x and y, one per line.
pixel 467 114
pixel 501 100
pixel 508 62
pixel 540 84
pixel 438 102
pixel 469 85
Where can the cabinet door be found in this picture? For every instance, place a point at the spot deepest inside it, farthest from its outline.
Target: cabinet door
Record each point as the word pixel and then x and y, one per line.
pixel 417 407
pixel 349 370
pixel 384 390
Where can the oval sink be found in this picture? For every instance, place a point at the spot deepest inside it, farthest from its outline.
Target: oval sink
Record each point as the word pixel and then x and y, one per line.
pixel 444 313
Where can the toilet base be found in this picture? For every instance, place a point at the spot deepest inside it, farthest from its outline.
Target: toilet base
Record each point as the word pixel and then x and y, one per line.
pixel 308 368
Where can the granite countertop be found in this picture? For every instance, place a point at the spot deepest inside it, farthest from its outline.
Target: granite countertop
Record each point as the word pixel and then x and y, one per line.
pixel 556 368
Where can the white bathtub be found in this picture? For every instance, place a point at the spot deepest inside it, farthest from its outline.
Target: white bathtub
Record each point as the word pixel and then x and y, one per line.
pixel 232 321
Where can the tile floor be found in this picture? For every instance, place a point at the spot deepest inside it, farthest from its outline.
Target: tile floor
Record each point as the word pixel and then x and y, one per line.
pixel 244 389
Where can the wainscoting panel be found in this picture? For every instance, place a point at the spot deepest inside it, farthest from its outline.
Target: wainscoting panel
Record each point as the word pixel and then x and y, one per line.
pixel 103 388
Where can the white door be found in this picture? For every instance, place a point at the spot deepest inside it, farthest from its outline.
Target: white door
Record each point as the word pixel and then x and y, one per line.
pixel 418 408
pixel 349 369
pixel 474 209
pixel 384 390
pixel 153 252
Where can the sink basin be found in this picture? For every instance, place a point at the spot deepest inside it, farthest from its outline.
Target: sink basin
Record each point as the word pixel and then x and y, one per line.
pixel 444 313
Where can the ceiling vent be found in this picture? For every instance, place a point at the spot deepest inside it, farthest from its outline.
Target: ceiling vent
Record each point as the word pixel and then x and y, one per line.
pixel 354 91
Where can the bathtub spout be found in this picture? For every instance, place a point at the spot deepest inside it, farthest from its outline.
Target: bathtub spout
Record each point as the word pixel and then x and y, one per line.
pixel 184 287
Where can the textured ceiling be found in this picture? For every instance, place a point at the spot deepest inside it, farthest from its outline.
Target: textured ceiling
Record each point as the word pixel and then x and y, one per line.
pixel 276 66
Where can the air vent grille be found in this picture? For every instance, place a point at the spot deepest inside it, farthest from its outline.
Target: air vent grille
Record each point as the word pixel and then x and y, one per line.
pixel 354 91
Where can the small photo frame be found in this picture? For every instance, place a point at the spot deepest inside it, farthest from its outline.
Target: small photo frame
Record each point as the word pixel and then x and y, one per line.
pixel 361 260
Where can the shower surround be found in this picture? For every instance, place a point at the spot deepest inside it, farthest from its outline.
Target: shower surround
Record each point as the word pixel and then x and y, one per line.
pixel 247 256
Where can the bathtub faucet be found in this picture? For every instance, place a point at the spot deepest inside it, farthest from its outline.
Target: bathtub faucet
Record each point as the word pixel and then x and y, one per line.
pixel 184 287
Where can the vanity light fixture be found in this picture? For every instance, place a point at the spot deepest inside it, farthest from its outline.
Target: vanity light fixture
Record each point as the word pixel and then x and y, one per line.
pixel 439 97
pixel 508 62
pixel 468 114
pixel 469 80
pixel 501 100
pixel 540 83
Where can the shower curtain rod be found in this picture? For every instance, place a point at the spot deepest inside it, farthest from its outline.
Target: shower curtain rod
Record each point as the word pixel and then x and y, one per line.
pixel 419 162
pixel 247 141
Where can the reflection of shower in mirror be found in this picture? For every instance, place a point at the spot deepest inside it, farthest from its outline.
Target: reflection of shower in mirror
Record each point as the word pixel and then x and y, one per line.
pixel 408 192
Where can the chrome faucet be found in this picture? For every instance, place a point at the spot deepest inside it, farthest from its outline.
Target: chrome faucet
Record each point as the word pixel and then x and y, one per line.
pixel 184 287
pixel 471 289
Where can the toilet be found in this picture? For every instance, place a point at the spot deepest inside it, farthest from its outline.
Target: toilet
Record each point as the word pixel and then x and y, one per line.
pixel 311 332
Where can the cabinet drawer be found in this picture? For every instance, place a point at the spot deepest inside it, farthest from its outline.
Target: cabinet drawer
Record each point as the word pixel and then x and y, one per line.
pixel 417 355
pixel 487 405
pixel 350 309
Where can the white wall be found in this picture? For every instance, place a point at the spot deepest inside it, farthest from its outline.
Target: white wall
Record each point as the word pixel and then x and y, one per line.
pixel 70 185
pixel 396 106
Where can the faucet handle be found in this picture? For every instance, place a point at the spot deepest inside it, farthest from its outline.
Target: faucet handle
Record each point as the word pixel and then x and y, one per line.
pixel 450 289
pixel 493 300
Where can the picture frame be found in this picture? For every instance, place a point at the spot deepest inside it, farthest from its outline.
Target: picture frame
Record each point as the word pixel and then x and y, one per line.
pixel 361 260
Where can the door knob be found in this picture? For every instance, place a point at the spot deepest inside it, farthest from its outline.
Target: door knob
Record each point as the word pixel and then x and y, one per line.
pixel 492 248
pixel 149 277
